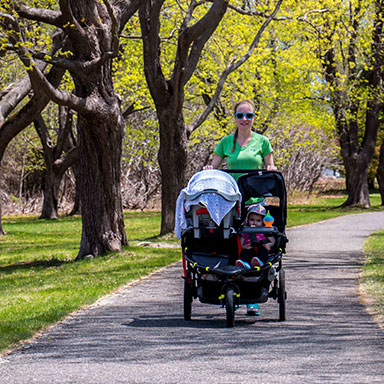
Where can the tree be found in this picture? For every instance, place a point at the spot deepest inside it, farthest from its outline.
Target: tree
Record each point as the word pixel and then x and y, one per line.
pixel 196 28
pixel 91 29
pixel 57 158
pixel 12 125
pixel 351 50
pixel 380 170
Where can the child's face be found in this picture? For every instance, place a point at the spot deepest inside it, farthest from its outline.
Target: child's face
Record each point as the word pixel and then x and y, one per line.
pixel 255 220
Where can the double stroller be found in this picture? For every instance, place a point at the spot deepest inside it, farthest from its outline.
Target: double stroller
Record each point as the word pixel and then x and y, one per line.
pixel 210 217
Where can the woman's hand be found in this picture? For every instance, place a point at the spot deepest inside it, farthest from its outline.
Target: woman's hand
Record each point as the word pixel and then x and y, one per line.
pixel 216 162
pixel 269 163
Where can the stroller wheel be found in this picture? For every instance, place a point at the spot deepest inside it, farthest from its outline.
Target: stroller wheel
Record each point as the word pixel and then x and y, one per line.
pixel 188 296
pixel 229 306
pixel 281 295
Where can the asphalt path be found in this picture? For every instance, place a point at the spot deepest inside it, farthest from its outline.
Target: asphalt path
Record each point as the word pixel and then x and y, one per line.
pixel 138 335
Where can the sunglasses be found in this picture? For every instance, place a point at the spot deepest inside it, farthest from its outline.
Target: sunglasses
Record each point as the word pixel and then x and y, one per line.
pixel 248 116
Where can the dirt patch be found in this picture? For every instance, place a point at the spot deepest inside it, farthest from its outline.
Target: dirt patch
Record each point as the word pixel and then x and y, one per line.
pixel 157 245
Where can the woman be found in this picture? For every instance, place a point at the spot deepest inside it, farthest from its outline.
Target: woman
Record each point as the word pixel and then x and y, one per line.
pixel 245 149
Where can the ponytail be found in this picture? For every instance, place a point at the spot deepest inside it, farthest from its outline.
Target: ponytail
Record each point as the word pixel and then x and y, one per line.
pixel 234 140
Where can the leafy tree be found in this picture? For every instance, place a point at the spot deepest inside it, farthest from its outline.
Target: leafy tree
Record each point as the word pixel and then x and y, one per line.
pixel 91 29
pixel 167 81
pixel 13 119
pixel 58 157
pixel 350 46
pixel 380 168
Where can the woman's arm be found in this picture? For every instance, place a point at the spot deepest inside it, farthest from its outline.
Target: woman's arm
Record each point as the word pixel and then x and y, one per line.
pixel 269 163
pixel 216 162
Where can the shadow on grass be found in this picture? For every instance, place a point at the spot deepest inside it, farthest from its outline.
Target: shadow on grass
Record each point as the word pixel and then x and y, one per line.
pixel 9 268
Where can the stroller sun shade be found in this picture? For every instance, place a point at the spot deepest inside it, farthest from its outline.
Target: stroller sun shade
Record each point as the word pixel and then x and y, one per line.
pixel 265 184
pixel 216 190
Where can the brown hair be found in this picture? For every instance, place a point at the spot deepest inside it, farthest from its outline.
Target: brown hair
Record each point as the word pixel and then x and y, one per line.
pixel 237 105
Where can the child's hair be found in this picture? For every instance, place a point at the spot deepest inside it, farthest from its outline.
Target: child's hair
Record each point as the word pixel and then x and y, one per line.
pixel 250 102
pixel 255 208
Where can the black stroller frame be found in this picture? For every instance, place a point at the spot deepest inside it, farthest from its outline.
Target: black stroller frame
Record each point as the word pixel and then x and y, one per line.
pixel 209 251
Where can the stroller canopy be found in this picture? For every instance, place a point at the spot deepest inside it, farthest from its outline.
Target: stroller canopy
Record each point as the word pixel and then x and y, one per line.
pixel 262 183
pixel 216 190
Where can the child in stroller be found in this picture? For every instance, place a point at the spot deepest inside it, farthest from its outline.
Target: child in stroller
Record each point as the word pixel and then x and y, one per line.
pixel 255 249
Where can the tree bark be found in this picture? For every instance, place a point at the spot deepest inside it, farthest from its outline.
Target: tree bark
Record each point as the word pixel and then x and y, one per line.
pixel 1 224
pixel 172 159
pixel 76 209
pixel 100 147
pixel 380 172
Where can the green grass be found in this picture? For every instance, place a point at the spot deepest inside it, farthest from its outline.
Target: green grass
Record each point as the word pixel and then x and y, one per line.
pixel 324 208
pixel 40 283
pixel 373 272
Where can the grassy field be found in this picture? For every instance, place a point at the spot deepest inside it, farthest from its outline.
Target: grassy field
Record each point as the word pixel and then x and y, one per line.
pixel 373 274
pixel 40 283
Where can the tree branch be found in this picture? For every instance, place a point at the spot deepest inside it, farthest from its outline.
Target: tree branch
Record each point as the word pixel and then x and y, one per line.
pixel 71 25
pixel 38 80
pixel 43 15
pixel 150 27
pixel 198 34
pixel 63 163
pixel 114 28
pixel 232 66
pixel 15 124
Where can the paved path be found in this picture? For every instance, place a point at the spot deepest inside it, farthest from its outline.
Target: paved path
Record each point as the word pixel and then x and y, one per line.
pixel 139 335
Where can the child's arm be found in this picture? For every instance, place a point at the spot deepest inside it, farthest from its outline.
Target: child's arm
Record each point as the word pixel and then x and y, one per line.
pixel 245 242
pixel 271 243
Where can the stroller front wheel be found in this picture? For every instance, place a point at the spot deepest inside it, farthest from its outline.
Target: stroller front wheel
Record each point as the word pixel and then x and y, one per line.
pixel 281 295
pixel 188 296
pixel 229 306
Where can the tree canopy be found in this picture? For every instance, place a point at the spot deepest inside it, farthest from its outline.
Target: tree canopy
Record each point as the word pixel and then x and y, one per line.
pixel 159 78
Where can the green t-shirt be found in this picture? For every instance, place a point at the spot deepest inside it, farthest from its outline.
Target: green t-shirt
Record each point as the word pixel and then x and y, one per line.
pixel 249 157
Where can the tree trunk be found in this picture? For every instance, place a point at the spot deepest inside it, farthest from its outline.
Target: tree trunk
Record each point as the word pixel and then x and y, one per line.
pixel 51 188
pixel 356 160
pixel 76 209
pixel 357 184
pixel 380 173
pixel 50 184
pixel 1 225
pixel 168 94
pixel 172 158
pixel 100 148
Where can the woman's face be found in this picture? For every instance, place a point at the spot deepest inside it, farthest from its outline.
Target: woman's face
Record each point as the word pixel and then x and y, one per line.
pixel 242 122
